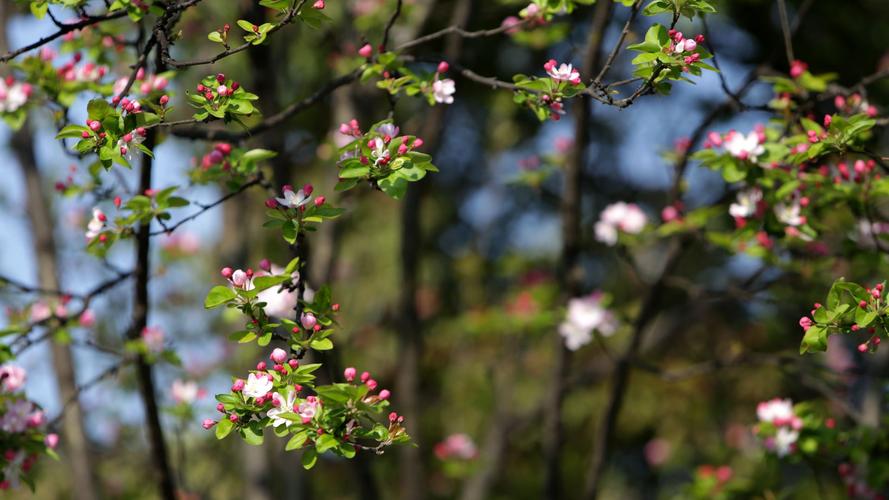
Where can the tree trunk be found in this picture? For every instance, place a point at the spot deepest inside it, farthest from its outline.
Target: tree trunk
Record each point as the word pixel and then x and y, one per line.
pixel 38 207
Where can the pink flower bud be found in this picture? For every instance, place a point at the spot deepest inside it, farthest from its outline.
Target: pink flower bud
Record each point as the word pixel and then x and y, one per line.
pixel 220 407
pixel 319 4
pixel 233 417
pixel 261 366
pixel 164 100
pixel 443 67
pixel 371 384
pixel 319 201
pixel 208 423
pixel 365 376
pixel 293 363
pixel 307 189
pixel 384 394
pixel 366 51
pixel 51 440
pixel 393 417
pixel 308 320
pixel 278 355
pixel 417 143
pixel 226 272
pixel 862 347
pixel 238 385
pixel 349 373
pixel 271 203
pixel 335 307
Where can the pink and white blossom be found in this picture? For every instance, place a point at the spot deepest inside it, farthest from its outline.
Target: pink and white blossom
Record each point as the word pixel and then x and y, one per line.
pixel 153 337
pixel 184 391
pixel 562 72
pixel 456 446
pixel 747 203
pixel 96 225
pixel 620 216
pixel 257 386
pixel 443 90
pixel 309 409
pixel 745 147
pixel 282 405
pixel 293 199
pixel 12 378
pixel 584 315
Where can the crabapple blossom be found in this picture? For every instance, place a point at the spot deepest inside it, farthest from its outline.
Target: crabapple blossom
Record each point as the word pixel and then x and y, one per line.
pixel 257 386
pixel 282 405
pixel 308 409
pixel 620 216
pixel 584 315
pixel 13 95
pixel 366 50
pixel 443 90
pixel 349 374
pixel 745 147
pixel 789 213
pixel 208 423
pixel 778 412
pixel 278 355
pixel 12 378
pixel 456 446
pixel 184 391
pixel 96 225
pixel 308 320
pixel 784 441
pixel 562 73
pixel 153 337
pixel 294 200
pixel 747 203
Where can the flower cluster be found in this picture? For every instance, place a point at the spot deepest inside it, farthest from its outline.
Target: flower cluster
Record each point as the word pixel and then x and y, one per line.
pixel 782 428
pixel 13 94
pixel 295 211
pixel 456 447
pixel 337 417
pixel 22 429
pixel 586 314
pixel 388 160
pixel 850 309
pixel 221 97
pixel 619 217
pixel 747 147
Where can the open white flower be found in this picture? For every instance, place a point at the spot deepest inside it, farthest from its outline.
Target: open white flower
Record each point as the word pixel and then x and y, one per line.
pixel 294 200
pixel 258 386
pixel 784 441
pixel 564 72
pixel 184 391
pixel 14 96
pixel 283 404
pixel 744 147
pixel 96 224
pixel 443 90
pixel 789 213
pixel 584 315
pixel 746 204
pixel 620 216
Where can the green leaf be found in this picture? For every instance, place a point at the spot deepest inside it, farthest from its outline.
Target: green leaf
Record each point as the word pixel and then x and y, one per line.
pixel 310 456
pixel 313 17
pixel 394 185
pixel 255 155
pixel 218 296
pixel 321 344
pixel 325 442
pixel 224 428
pixel 252 434
pixel 815 340
pixel 214 36
pixel 71 131
pixel 297 441
pixel 265 282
